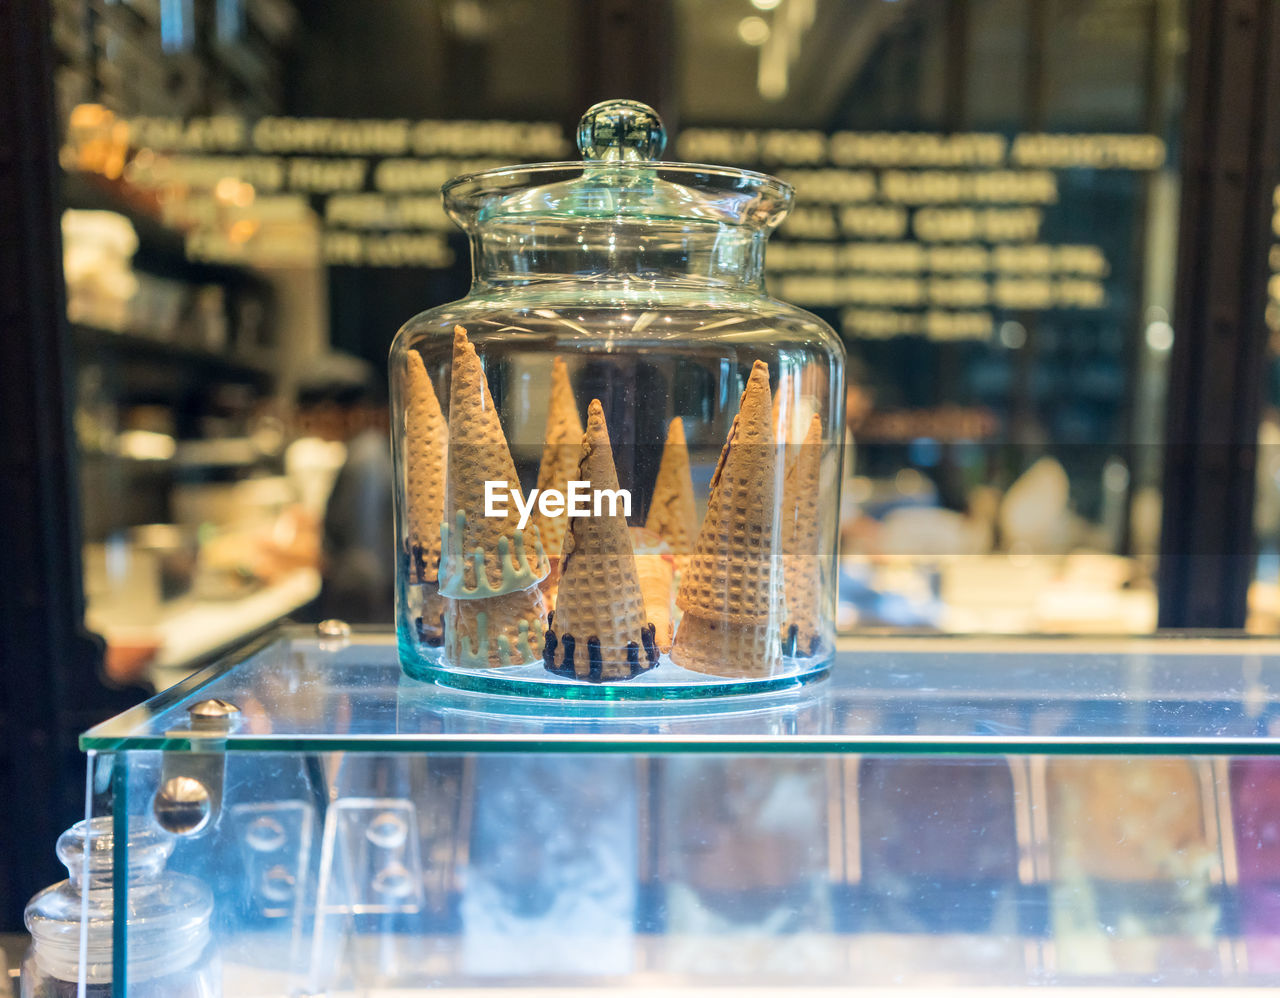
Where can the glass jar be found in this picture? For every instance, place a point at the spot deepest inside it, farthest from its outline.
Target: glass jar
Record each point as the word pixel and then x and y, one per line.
pixel 617 352
pixel 171 952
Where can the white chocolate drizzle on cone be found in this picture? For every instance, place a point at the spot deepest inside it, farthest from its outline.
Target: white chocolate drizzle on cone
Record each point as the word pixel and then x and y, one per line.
pixel 800 532
pixel 495 632
pixel 559 455
pixel 673 514
pixel 426 444
pixel 481 556
pixel 599 630
pixel 731 591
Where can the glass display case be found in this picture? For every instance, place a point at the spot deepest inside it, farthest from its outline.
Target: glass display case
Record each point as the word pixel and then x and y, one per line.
pixel 933 813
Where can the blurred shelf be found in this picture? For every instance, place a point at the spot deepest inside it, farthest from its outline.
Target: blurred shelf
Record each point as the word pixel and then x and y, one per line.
pixel 201 628
pixel 161 248
pixel 193 630
pixel 138 347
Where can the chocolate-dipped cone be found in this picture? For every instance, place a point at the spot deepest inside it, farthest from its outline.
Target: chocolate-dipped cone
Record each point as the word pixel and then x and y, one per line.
pixel 731 591
pixel 673 514
pixel 560 449
pixel 599 630
pixel 800 533
pixel 481 556
pixel 426 443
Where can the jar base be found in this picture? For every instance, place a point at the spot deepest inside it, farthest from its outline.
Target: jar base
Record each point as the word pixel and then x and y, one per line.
pixel 665 681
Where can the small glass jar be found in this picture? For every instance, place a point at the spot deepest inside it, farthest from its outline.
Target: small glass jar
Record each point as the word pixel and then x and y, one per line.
pixel 171 953
pixel 619 354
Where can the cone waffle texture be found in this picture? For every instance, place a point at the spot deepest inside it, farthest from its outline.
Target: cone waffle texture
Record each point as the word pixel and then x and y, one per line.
pixel 738 650
pixel 559 454
pixel 598 628
pixel 494 632
pixel 481 556
pixel 731 590
pixel 802 566
pixel 426 443
pixel 673 515
pixel 656 574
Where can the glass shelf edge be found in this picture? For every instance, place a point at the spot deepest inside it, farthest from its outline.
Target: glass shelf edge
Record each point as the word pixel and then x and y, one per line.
pixel 442 744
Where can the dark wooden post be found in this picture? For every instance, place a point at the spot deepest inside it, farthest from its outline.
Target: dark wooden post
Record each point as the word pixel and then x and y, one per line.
pixel 1230 147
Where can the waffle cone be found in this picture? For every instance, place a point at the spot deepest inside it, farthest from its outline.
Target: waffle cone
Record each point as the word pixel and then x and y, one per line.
pixel 802 567
pixel 656 570
pixel 511 559
pixel 560 449
pixel 599 627
pixel 430 623
pixel 731 590
pixel 711 646
pixel 426 444
pixel 656 576
pixel 673 514
pixel 494 632
pixel 550 586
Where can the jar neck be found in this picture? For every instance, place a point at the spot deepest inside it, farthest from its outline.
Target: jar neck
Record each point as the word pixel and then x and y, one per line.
pixel 507 252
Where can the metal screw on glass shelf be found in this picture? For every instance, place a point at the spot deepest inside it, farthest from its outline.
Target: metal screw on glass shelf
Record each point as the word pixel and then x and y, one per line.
pixel 333 634
pixel 213 715
pixel 182 805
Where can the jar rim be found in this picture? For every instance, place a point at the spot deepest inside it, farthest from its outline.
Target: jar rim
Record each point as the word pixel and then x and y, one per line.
pixel 647 189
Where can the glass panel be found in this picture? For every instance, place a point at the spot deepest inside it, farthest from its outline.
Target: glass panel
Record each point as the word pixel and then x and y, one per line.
pixel 1170 696
pixel 1008 348
pixel 345 872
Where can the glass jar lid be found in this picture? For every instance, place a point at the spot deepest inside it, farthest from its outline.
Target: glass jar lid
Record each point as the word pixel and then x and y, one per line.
pixel 620 178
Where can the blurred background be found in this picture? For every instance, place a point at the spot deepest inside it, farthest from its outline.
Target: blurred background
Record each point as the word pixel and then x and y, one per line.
pixel 1061 390
pixel 236 269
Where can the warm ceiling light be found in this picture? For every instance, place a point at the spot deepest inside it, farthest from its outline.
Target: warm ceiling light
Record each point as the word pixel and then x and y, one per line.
pixel 753 30
pixel 765 4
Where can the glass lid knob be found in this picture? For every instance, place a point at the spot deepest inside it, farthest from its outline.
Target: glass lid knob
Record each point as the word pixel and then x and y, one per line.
pixel 621 131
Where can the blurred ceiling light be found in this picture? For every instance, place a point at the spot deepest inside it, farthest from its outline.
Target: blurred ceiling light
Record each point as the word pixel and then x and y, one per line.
pixel 753 30
pixel 765 4
pixel 1013 335
pixel 231 190
pixel 145 445
pixel 242 230
pixel 1160 336
pixel 469 20
pixel 772 76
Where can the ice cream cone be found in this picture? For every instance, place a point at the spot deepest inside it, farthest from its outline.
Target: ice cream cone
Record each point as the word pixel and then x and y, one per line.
pixel 481 556
pixel 494 632
pixel 430 622
pixel 731 591
pixel 673 514
pixel 802 566
pixel 599 630
pixel 426 444
pixel 655 569
pixel 550 586
pixel 559 454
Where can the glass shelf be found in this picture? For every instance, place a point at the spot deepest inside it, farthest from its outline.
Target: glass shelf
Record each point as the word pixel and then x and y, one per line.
pixel 930 696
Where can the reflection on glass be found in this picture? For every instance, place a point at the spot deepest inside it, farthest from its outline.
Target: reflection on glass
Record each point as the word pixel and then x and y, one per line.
pixel 1133 863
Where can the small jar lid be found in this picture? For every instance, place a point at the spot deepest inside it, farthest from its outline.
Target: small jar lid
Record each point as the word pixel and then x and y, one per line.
pixel 621 178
